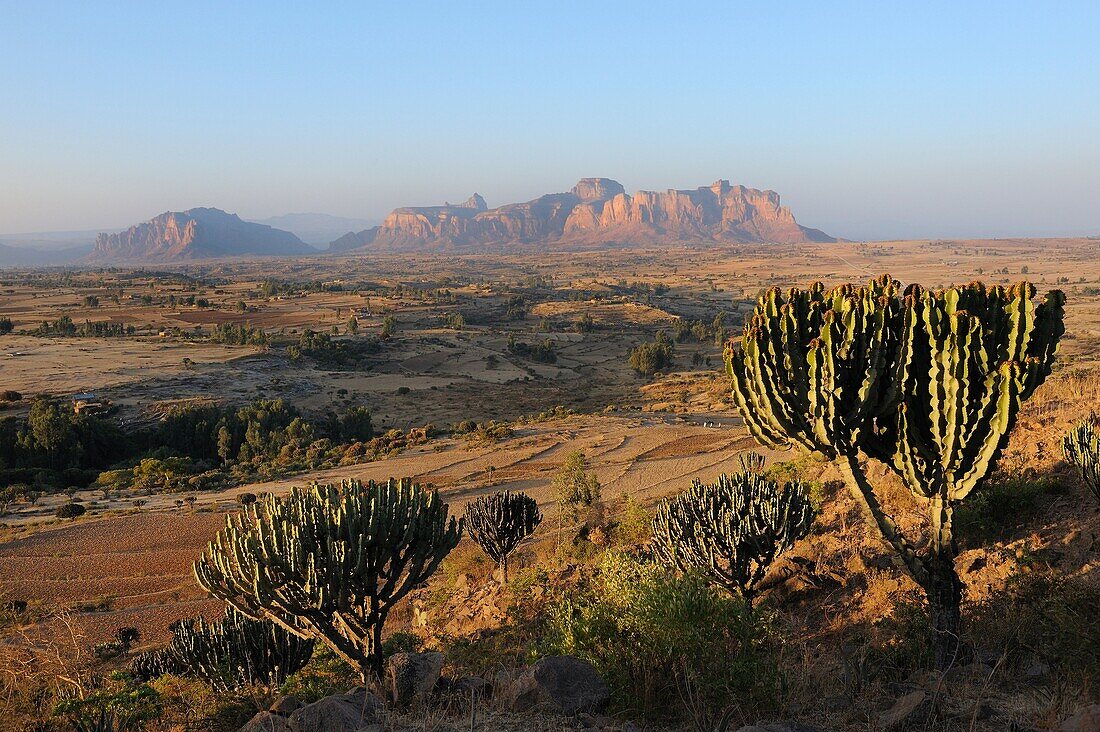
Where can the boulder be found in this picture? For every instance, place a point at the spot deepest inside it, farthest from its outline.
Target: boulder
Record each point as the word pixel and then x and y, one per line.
pixel 351 711
pixel 266 722
pixel 779 727
pixel 909 709
pixel 412 676
pixel 560 685
pixel 285 706
pixel 1085 719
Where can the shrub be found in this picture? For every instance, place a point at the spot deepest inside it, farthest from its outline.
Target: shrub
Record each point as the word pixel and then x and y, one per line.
pixel 657 637
pixel 1081 447
pixel 70 510
pixel 649 358
pixel 246 499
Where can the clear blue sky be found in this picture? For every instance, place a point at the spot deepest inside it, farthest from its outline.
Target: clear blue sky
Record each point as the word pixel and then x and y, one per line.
pixel 875 119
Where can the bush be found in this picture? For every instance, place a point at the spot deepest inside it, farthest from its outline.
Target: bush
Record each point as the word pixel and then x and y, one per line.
pixel 649 358
pixel 10 396
pixel 1002 504
pixel 656 637
pixel 70 511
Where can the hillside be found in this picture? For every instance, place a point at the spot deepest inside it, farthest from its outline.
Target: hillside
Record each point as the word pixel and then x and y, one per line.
pixel 595 211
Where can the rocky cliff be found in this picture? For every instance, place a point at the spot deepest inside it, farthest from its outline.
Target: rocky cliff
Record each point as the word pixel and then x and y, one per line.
pixel 198 233
pixel 596 210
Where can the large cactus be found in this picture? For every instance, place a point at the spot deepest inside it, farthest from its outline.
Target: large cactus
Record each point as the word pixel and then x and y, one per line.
pixel 732 531
pixel 1081 447
pixel 331 561
pixel 499 522
pixel 928 382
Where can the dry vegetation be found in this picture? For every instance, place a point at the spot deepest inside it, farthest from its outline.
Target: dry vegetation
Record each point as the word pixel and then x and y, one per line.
pixel 851 643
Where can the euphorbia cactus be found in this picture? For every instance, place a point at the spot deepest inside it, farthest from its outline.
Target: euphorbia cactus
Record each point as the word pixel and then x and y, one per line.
pixel 330 561
pixel 499 522
pixel 928 382
pixel 732 531
pixel 1081 446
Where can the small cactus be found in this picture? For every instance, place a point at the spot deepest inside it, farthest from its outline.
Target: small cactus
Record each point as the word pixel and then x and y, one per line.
pixel 1081 447
pixel 499 522
pixel 733 530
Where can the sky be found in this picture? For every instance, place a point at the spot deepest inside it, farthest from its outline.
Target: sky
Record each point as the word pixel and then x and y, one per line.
pixel 871 119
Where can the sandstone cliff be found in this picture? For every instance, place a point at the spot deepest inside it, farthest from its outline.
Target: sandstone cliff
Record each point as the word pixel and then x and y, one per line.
pixel 596 210
pixel 198 233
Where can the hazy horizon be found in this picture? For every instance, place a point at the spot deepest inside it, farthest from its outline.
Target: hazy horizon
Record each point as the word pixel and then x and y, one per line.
pixel 870 122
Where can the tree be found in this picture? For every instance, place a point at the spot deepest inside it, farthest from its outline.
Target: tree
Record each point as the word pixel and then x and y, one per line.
pixel 649 358
pixel 356 425
pixel 6 326
pixel 499 522
pixel 389 327
pixel 1081 447
pixel 330 561
pixel 70 510
pixel 732 531
pixel 353 325
pixel 574 488
pixel 929 383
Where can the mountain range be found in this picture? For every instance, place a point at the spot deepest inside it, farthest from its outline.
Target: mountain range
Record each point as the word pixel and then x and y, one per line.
pixel 597 211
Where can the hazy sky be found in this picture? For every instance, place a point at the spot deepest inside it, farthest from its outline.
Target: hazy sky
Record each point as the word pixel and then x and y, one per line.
pixel 871 119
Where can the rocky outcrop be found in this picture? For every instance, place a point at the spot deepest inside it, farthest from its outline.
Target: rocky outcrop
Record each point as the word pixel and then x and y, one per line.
pixel 411 677
pixel 560 685
pixel 596 210
pixel 198 233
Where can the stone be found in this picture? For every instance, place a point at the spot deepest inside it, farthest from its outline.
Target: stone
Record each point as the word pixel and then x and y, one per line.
pixel 471 684
pixel 266 721
pixel 560 685
pixel 352 711
pixel 595 210
pixel 412 676
pixel 779 727
pixel 912 707
pixel 1085 719
pixel 285 706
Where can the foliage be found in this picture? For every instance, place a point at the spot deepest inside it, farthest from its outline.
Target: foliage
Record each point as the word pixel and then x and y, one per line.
pixel 928 382
pixel 649 358
pixel 1001 504
pixel 539 352
pixel 574 488
pixel 6 326
pixel 732 531
pixel 239 334
pixel 331 561
pixel 499 522
pixel 658 638
pixel 70 510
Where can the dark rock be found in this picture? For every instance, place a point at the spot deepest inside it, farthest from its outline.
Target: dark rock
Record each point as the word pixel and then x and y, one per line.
pixel 412 676
pixel 561 685
pixel 911 708
pixel 348 712
pixel 266 722
pixel 779 727
pixel 286 706
pixel 1085 719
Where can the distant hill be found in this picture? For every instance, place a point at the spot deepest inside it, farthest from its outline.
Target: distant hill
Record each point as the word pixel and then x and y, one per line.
pixel 316 229
pixel 596 211
pixel 48 254
pixel 198 233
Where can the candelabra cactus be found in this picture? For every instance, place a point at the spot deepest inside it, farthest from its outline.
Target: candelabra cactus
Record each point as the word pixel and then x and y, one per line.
pixel 499 522
pixel 331 561
pixel 236 651
pixel 1081 447
pixel 732 531
pixel 928 382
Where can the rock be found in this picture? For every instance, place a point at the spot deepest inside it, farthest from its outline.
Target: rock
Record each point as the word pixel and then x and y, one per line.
pixel 912 707
pixel 286 706
pixel 779 727
pixel 266 722
pixel 471 684
pixel 1037 670
pixel 561 685
pixel 971 673
pixel 412 676
pixel 351 711
pixel 1085 719
pixel 596 209
pixel 193 234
